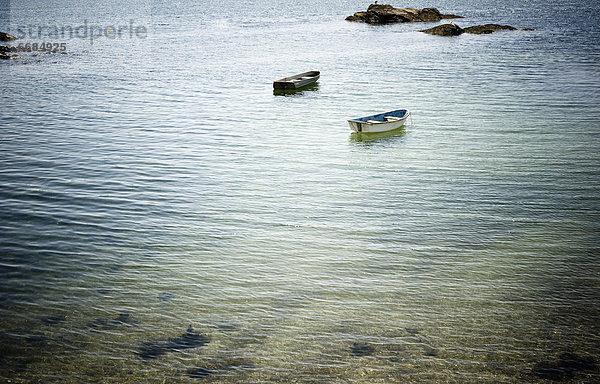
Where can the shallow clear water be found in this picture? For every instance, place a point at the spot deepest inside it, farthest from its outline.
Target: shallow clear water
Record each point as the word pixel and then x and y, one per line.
pixel 152 183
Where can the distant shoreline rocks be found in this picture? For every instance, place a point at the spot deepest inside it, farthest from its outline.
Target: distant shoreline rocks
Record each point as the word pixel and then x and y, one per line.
pixel 386 14
pixel 32 49
pixel 454 30
pixel 6 37
pixel 5 56
pixel 4 49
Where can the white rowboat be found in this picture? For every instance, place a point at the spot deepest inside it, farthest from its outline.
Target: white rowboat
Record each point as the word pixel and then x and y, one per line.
pixel 381 122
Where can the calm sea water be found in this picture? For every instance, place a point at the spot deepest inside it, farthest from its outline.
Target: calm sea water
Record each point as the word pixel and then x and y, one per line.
pixel 148 184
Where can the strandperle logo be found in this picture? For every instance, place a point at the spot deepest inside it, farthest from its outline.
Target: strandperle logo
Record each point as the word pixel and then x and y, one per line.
pixel 83 31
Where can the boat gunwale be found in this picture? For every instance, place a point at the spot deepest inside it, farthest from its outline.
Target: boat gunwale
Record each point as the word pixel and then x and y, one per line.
pixel 404 117
pixel 289 79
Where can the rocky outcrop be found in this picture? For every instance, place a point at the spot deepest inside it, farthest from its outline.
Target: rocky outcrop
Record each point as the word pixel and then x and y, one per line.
pixel 4 56
pixel 454 30
pixel 445 30
pixel 7 48
pixel 4 49
pixel 6 37
pixel 386 14
pixel 488 28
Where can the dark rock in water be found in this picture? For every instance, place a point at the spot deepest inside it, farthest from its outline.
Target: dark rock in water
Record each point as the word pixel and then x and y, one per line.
pixel 454 30
pixel 565 368
pixel 6 37
pixel 551 373
pixel 445 30
pixel 152 349
pixel 488 28
pixel 386 14
pixel 4 56
pixel 359 349
pixel 37 339
pixel 102 291
pixel 124 319
pixel 98 322
pixel 430 351
pixel 412 330
pixel 200 373
pixel 12 339
pixel 54 319
pixel 218 367
pixel 102 323
pixel 165 296
pixel 17 352
pixel 190 339
pixel 578 363
pixel 7 48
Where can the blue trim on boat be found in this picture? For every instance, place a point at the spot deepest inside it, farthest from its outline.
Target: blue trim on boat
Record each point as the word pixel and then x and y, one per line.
pixel 400 113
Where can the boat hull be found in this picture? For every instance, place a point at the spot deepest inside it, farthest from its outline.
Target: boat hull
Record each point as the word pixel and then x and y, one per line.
pixel 298 81
pixel 378 123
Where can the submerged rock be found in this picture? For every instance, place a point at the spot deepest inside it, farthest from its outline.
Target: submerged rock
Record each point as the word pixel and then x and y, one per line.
pixel 99 323
pixel 567 365
pixel 190 339
pixel 218 367
pixel 165 296
pixel 360 349
pixel 200 373
pixel 430 351
pixel 54 319
pixel 412 330
pixel 102 323
pixel 6 37
pixel 124 319
pixel 152 349
pixel 386 14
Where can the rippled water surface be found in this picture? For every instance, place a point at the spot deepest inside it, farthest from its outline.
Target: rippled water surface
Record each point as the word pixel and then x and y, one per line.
pixel 149 184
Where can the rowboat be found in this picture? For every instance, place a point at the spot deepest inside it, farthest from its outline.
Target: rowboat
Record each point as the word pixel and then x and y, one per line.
pixel 297 81
pixel 381 122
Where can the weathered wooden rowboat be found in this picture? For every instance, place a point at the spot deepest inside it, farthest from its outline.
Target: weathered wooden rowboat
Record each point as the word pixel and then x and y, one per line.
pixel 381 122
pixel 297 81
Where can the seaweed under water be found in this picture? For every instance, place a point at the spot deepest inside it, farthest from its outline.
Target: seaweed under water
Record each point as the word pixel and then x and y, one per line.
pixel 567 365
pixel 152 349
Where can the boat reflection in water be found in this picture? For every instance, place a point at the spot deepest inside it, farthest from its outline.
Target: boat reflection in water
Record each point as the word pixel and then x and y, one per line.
pixel 371 137
pixel 296 92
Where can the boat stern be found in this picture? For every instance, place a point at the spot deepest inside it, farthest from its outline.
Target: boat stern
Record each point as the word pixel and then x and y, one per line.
pixel 355 126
